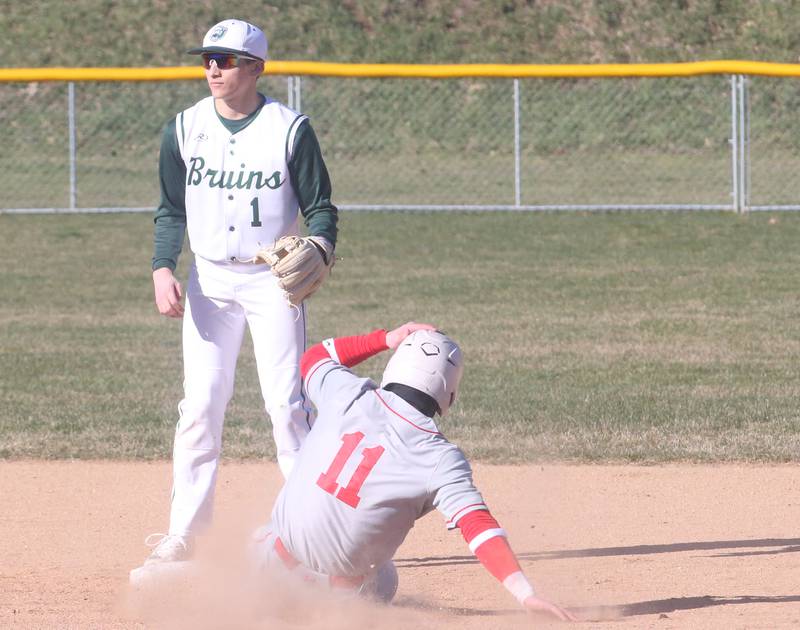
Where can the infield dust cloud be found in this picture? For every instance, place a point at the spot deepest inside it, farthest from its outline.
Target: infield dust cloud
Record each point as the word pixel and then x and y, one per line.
pixel 220 590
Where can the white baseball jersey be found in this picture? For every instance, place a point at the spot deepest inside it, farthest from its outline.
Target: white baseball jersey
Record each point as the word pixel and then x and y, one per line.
pixel 370 467
pixel 238 194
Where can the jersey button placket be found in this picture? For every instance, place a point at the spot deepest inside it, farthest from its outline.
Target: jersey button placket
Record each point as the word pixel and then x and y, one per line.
pixel 234 242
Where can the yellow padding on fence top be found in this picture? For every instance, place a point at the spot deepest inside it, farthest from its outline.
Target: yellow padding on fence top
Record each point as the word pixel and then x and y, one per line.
pixel 419 71
pixel 532 70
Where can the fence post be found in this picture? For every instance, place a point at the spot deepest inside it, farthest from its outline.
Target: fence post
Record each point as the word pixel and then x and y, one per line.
pixel 744 157
pixel 517 176
pixel 740 141
pixel 73 178
pixel 298 106
pixel 734 141
pixel 293 89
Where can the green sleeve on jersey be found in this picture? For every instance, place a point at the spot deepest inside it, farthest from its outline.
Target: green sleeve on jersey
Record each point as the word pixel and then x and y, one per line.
pixel 170 216
pixel 312 184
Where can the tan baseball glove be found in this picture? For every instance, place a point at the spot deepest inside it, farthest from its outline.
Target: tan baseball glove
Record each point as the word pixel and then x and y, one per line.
pixel 299 263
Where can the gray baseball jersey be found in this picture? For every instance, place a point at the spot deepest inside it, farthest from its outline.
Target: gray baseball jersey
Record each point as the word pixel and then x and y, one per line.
pixel 369 468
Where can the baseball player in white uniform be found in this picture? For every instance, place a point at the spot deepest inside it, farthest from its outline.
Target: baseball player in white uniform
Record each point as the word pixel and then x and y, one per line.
pixel 374 463
pixel 237 171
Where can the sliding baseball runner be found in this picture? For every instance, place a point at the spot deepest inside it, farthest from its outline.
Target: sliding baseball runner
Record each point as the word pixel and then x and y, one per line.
pixel 374 463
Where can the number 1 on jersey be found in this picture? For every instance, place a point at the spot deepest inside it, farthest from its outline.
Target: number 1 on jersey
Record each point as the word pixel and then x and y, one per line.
pixel 256 222
pixel 369 457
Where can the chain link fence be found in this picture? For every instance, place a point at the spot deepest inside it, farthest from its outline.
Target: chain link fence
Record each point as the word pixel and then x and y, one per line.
pixel 701 142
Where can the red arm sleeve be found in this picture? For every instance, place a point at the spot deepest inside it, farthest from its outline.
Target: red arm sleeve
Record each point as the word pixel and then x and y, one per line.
pixel 487 540
pixel 348 351
pixel 353 350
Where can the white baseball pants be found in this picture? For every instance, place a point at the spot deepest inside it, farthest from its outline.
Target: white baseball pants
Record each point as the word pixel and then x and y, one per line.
pixel 221 300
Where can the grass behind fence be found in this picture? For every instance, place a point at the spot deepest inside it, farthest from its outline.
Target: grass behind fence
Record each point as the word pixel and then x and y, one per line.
pixel 597 337
pixel 634 141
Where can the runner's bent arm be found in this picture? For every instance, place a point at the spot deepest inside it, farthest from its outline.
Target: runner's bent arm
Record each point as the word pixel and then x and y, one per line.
pixel 350 351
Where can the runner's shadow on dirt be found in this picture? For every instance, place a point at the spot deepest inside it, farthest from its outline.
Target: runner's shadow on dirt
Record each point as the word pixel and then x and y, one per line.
pixel 778 545
pixel 736 554
pixel 615 612
pixel 674 604
pixel 417 603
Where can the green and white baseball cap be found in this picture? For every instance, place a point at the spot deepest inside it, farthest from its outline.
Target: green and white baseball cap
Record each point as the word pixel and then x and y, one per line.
pixel 234 36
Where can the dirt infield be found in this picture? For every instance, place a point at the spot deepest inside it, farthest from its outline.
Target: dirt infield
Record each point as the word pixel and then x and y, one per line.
pixel 624 547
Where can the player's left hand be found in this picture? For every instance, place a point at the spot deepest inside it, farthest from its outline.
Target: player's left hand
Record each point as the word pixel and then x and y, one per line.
pixel 542 606
pixel 395 337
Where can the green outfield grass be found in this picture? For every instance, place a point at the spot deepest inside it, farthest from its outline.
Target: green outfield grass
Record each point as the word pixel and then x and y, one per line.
pixel 589 337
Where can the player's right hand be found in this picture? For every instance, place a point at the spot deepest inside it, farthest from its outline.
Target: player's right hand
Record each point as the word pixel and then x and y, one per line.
pixel 168 293
pixel 395 337
pixel 542 606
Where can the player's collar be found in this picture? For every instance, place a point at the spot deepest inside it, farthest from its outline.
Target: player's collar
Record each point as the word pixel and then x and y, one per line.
pixel 423 403
pixel 235 126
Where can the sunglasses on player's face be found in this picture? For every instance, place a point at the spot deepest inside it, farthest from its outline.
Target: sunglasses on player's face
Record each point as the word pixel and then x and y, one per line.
pixel 224 61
